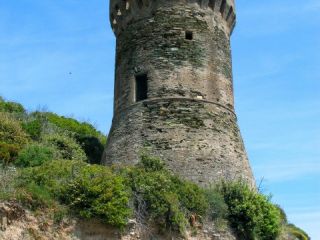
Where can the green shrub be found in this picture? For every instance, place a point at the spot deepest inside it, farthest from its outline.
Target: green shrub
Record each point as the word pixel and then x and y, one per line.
pixel 91 140
pixel 8 153
pixel 52 174
pixel 218 209
pixel 33 128
pixel 35 196
pixel 168 200
pixel 90 190
pixel 150 163
pixel 35 155
pixel 72 125
pixel 97 192
pixel 11 131
pixel 11 107
pixel 192 198
pixel 67 146
pixel 251 214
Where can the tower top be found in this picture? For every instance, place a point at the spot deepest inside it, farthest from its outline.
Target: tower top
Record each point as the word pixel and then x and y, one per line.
pixel 124 12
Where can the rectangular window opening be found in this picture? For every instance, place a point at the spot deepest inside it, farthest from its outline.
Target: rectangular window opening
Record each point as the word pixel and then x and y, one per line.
pixel 141 87
pixel 222 7
pixel 189 35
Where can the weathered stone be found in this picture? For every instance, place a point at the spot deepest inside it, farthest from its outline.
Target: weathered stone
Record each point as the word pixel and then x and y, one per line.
pixel 186 116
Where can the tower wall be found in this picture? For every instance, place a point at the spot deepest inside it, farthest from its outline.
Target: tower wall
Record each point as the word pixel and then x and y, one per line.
pixel 182 48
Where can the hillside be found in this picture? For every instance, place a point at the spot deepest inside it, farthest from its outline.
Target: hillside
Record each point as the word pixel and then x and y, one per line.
pixel 52 187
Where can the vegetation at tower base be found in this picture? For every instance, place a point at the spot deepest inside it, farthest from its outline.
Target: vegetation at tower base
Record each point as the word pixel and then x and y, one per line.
pixel 50 175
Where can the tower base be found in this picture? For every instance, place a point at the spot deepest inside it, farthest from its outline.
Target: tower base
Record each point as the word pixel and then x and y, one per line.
pixel 197 139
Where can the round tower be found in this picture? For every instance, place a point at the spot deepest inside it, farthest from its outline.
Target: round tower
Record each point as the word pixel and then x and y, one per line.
pixel 173 88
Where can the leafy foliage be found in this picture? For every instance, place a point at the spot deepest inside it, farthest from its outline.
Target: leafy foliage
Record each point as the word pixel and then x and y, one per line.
pixel 11 131
pixel 91 140
pixel 72 125
pixel 35 155
pixel 33 128
pixel 11 107
pixel 37 125
pixel 54 175
pixel 218 209
pixel 12 138
pixel 98 192
pixel 251 214
pixel 67 146
pixel 168 200
pixel 35 196
pixel 34 142
pixel 8 153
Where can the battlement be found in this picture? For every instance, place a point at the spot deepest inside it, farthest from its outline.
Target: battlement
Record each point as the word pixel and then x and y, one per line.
pixel 124 12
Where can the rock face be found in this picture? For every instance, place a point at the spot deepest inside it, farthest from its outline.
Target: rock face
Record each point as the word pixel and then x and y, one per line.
pixel 174 89
pixel 17 223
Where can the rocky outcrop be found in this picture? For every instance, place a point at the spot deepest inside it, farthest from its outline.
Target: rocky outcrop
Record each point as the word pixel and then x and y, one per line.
pixel 20 224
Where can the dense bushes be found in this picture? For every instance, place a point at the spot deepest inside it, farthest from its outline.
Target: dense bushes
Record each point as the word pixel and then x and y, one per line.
pixel 11 107
pixel 8 153
pixel 164 198
pixel 11 131
pixel 17 127
pixel 72 125
pixel 106 193
pixel 33 128
pixel 218 209
pixel 96 192
pixel 91 191
pixel 35 155
pixel 148 191
pixel 91 140
pixel 68 147
pixel 53 175
pixel 12 138
pixel 251 214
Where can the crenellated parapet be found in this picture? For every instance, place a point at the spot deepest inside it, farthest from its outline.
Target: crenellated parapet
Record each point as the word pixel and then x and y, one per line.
pixel 124 12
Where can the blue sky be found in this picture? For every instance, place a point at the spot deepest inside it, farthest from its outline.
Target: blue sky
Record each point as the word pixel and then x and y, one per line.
pixel 276 60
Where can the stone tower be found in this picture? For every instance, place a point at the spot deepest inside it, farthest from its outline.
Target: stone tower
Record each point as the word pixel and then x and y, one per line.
pixel 174 89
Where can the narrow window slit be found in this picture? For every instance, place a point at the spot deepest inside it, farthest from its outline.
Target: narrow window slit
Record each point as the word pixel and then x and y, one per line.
pixel 222 7
pixel 141 87
pixel 189 35
pixel 211 4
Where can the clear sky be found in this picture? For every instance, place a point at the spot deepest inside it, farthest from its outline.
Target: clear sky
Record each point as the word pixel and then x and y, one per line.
pixel 60 55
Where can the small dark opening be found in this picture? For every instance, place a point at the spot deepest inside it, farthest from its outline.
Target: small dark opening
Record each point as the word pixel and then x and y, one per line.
pixel 189 35
pixel 140 4
pixel 141 87
pixel 223 6
pixel 211 4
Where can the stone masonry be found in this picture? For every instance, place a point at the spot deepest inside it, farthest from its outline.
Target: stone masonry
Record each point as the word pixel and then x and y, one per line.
pixel 174 89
